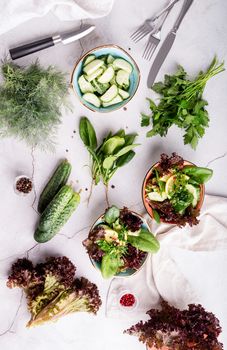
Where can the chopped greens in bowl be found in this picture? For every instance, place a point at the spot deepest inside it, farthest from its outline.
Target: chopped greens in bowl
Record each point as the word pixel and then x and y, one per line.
pixel 119 242
pixel 173 190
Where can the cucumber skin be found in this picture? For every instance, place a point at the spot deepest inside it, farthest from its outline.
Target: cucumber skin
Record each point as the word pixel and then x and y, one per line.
pixel 44 236
pixel 58 179
pixel 55 208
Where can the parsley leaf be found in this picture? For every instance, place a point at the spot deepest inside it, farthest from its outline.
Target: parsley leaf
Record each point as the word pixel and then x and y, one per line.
pixel 145 119
pixel 181 104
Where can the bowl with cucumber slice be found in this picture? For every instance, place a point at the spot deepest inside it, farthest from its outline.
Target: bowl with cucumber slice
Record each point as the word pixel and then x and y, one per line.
pixel 119 242
pixel 105 78
pixel 173 190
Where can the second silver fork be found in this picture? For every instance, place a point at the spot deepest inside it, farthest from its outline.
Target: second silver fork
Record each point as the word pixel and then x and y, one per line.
pixel 154 38
pixel 148 26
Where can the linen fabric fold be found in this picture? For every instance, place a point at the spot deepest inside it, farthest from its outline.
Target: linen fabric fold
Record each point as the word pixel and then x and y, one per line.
pixel 13 13
pixel 190 267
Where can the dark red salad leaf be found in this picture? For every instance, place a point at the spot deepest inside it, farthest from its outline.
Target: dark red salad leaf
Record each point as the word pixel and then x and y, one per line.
pixel 168 214
pixel 166 163
pixel 190 329
pixel 129 220
pixel 133 258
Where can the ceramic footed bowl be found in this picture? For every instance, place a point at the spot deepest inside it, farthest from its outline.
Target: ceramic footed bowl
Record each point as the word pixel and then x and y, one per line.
pixel 148 206
pixel 115 51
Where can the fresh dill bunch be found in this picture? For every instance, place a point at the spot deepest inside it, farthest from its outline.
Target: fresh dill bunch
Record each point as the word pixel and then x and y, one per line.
pixel 30 102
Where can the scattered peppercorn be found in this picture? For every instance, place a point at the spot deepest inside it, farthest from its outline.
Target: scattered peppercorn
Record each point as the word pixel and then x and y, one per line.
pixel 112 186
pixel 74 131
pixel 124 108
pixel 24 185
pixel 86 189
pixel 127 300
pixel 66 150
pixel 129 48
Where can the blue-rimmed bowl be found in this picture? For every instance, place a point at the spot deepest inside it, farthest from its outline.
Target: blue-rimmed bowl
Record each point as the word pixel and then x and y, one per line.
pixel 127 272
pixel 115 51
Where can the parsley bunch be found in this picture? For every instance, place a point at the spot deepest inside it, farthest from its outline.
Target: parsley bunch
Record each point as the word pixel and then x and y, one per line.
pixel 181 104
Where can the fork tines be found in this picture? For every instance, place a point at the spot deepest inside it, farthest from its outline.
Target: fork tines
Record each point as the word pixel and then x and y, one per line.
pixel 142 31
pixel 150 47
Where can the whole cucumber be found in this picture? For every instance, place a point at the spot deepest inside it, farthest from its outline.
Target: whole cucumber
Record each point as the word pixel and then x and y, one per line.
pixel 44 236
pixel 55 208
pixel 58 179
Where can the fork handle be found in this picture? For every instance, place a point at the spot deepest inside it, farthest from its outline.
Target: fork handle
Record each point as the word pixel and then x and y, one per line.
pixel 187 4
pixel 167 8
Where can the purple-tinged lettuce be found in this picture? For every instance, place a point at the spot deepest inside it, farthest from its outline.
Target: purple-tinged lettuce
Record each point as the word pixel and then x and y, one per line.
pixel 171 328
pixel 52 290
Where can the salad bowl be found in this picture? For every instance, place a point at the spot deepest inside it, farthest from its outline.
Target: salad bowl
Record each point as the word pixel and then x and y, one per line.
pixel 99 52
pixel 196 188
pixel 135 258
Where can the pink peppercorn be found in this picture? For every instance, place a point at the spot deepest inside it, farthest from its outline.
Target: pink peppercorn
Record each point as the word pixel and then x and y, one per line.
pixel 127 300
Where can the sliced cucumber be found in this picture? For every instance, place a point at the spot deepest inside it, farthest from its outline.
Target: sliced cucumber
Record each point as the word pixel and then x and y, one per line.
pixel 84 85
pixel 103 58
pixel 88 59
pixel 105 80
pixel 122 78
pixel 115 100
pixel 110 94
pixel 92 98
pixel 164 178
pixel 91 67
pixel 110 59
pixel 123 94
pixel 106 76
pixel 94 75
pixel 120 63
pixel 157 197
pixel 100 88
pixel 113 81
pixel 195 192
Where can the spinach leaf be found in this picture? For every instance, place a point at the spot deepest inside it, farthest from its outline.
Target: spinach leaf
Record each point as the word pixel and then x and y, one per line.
pixel 120 133
pixel 110 265
pixel 112 144
pixel 198 174
pixel 129 139
pixel 126 149
pixel 112 214
pixel 87 133
pixel 114 151
pixel 109 161
pixel 145 241
pixel 156 216
pixel 121 161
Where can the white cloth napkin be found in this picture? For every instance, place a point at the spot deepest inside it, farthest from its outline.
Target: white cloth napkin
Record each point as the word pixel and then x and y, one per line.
pixel 15 12
pixel 141 285
pixel 191 264
pixel 190 267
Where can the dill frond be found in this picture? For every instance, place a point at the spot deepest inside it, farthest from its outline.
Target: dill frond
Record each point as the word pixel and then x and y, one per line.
pixel 30 102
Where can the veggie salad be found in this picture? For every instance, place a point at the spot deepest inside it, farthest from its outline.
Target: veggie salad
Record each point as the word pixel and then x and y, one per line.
pixel 105 80
pixel 119 242
pixel 173 190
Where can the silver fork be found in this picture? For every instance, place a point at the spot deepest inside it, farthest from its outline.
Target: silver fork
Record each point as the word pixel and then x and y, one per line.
pixel 149 24
pixel 154 38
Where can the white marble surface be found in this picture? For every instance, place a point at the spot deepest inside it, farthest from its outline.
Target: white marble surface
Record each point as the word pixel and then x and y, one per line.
pixel 201 36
